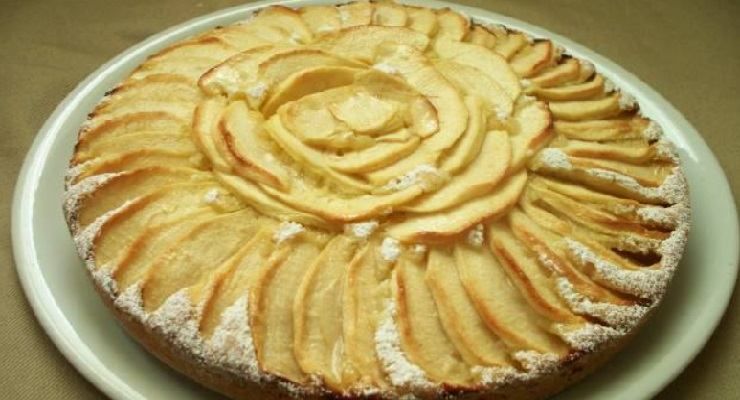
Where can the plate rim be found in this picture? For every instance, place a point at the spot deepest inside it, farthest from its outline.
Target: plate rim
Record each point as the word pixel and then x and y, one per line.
pixel 63 334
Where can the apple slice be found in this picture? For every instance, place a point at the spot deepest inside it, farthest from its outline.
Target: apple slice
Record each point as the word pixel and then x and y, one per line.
pixel 314 160
pixel 451 24
pixel 362 302
pixel 483 59
pixel 115 191
pixel 510 44
pixel 481 36
pixel 240 129
pixel 581 91
pixel 529 128
pixel 196 255
pixel 271 298
pixel 159 207
pixel 447 223
pixel 422 20
pixel 533 58
pixel 305 82
pixel 235 277
pixel 362 42
pixel 165 88
pixel 266 204
pixel 134 261
pixel 278 67
pixel 479 178
pixel 466 329
pixel 452 114
pixel 321 19
pixel 317 316
pixel 282 18
pixel 586 109
pixel 136 159
pixel 388 13
pixel 358 13
pixel 375 157
pixel 423 338
pixel 131 123
pixel 548 245
pixel 602 130
pixel 523 270
pixel 472 82
pixel 500 305
pixel 177 144
pixel 468 147
pixel 633 152
pixel 562 73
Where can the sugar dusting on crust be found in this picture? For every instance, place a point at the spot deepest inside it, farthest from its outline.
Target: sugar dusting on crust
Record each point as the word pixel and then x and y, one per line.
pixel 646 282
pixel 587 337
pixel 231 344
pixel 673 189
pixel 74 195
pixel 617 316
pixel 401 372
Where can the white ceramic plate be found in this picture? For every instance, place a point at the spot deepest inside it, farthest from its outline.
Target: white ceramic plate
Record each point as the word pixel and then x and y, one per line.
pixel 76 320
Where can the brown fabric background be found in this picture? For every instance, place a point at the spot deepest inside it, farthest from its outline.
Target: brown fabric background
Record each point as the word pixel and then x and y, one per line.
pixel 687 50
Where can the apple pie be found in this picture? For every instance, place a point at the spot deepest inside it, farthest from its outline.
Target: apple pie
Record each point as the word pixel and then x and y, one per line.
pixel 376 200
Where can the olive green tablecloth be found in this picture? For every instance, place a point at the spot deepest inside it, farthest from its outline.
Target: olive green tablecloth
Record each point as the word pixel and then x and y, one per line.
pixel 687 50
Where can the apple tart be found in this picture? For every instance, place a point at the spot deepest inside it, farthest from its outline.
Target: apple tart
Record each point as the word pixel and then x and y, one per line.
pixel 375 200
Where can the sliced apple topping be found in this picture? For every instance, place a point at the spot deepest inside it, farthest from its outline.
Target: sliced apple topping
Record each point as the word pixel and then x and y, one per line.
pixel 448 223
pixel 422 20
pixel 477 344
pixel 317 316
pixel 523 269
pixel 480 177
pixel 235 277
pixel 378 199
pixel 321 19
pixel 501 306
pixel 533 58
pixel 113 192
pixel 362 42
pixel 484 60
pixel 365 290
pixel 388 13
pixel 452 25
pixel 357 13
pixel 271 298
pixel 423 338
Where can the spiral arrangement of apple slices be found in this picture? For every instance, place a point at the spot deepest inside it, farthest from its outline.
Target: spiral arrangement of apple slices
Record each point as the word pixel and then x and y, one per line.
pixel 376 199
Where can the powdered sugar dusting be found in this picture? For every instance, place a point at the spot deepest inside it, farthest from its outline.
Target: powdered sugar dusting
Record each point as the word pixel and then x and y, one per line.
pixel 413 177
pixel 588 337
pixel 257 91
pixel 475 236
pixel 617 316
pixel 401 372
pixel 361 230
pixel 211 196
pixel 673 189
pixel 386 68
pixel 75 194
pixel 287 230
pixel 535 362
pixel 231 345
pixel 390 249
pixel 555 158
pixel 647 282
